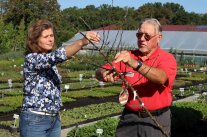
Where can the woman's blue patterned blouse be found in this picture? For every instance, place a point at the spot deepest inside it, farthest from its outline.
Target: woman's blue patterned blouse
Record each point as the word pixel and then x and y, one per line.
pixel 42 90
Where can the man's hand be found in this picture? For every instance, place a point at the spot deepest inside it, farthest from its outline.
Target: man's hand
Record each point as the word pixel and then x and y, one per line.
pixel 106 75
pixel 110 76
pixel 125 57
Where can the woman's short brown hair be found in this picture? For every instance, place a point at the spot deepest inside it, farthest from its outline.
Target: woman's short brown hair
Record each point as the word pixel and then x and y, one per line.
pixel 33 34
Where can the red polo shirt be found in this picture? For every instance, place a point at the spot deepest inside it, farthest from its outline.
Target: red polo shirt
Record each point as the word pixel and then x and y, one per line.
pixel 154 96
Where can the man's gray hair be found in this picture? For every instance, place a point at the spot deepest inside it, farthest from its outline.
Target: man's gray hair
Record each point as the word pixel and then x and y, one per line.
pixel 154 22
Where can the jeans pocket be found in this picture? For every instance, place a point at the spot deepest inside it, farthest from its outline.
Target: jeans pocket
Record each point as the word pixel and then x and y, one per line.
pixel 30 117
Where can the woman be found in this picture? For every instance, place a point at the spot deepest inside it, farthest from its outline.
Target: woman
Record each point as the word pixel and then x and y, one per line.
pixel 42 93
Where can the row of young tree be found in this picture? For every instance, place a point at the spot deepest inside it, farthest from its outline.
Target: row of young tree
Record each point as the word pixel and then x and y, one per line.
pixel 17 15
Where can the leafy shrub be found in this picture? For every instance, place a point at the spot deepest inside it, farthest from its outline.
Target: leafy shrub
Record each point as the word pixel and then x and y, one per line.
pixel 186 115
pixel 108 125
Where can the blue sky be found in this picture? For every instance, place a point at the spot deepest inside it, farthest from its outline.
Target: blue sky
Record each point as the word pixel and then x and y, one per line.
pixel 197 6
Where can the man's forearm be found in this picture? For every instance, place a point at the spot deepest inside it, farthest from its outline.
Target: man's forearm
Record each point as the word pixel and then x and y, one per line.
pixel 155 75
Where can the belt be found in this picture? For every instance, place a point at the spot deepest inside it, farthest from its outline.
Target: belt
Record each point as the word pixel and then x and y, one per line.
pixel 44 113
pixel 143 114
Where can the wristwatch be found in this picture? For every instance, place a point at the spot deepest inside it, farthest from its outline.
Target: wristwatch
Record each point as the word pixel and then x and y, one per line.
pixel 139 65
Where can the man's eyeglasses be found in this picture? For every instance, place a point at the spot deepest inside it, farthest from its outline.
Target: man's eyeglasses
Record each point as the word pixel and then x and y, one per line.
pixel 146 36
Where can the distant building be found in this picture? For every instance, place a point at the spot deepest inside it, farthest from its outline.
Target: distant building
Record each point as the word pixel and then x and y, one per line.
pixel 184 28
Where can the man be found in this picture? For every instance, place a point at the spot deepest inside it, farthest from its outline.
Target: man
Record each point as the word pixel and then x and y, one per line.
pixel 151 72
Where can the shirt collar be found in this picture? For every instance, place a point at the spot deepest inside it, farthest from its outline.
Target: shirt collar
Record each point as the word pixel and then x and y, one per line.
pixel 152 56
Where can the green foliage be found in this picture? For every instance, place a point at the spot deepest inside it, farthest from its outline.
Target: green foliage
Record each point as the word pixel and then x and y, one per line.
pixel 108 125
pixel 187 92
pixel 22 13
pixel 7 37
pixel 10 69
pixel 31 10
pixel 84 62
pixel 8 123
pixel 195 76
pixel 67 73
pixel 7 133
pixel 77 115
pixel 5 64
pixel 12 55
pixel 67 100
pixel 12 39
pixel 13 101
pixel 185 115
pixel 202 99
pixel 17 15
pixel 20 37
pixel 4 109
pixel 94 92
pixel 12 93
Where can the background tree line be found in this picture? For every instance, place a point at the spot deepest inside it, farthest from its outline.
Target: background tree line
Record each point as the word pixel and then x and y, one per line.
pixel 17 15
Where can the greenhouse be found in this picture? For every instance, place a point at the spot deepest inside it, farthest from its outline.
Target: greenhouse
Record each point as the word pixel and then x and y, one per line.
pixel 189 44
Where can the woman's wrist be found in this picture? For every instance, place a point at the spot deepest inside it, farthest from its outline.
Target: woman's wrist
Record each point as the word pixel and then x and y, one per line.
pixel 85 41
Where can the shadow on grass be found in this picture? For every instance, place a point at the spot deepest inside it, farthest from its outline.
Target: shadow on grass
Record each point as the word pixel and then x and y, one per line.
pixel 188 122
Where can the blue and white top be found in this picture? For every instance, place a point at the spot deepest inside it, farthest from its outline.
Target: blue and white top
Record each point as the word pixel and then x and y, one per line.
pixel 42 90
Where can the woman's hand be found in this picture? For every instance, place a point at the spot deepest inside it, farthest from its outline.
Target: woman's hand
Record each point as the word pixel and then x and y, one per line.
pixel 92 36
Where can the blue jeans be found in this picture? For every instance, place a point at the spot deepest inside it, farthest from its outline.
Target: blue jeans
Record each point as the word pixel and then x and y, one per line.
pixel 35 125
